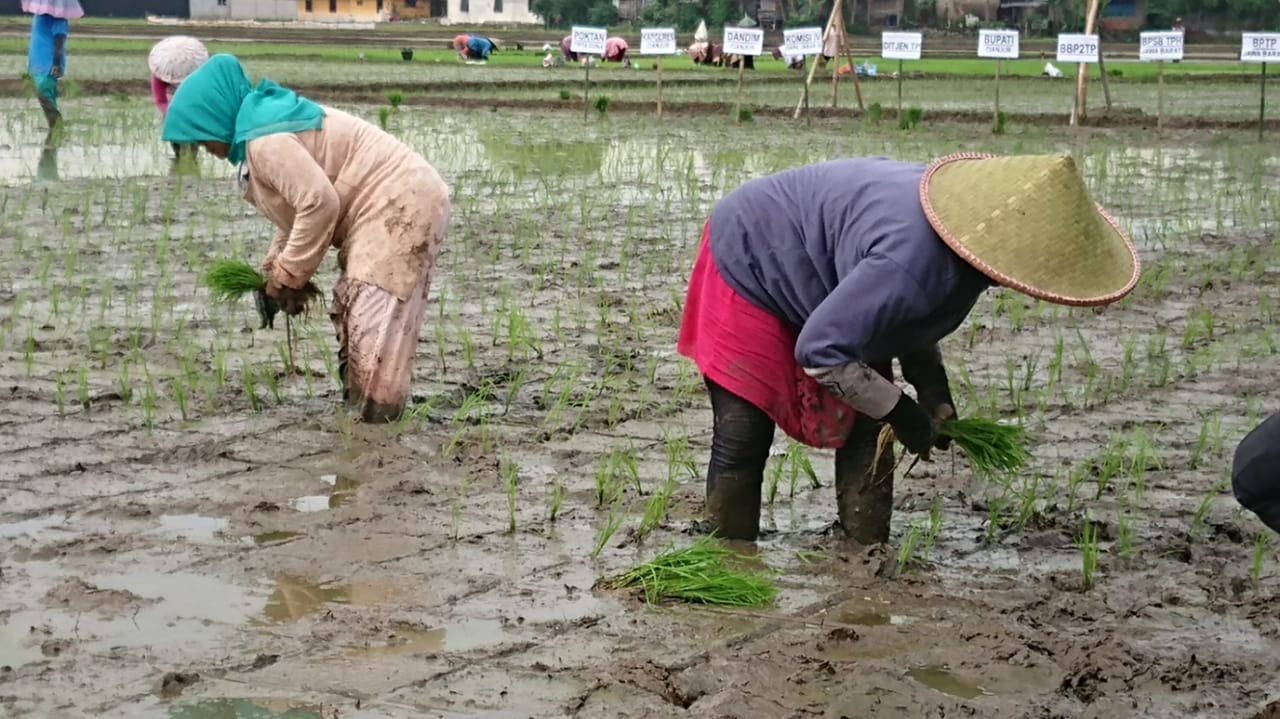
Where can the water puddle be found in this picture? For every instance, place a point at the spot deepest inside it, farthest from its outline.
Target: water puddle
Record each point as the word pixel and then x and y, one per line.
pixel 941 679
pixel 344 490
pixel 31 527
pixel 246 709
pixel 295 598
pixel 874 619
pixel 192 526
pixel 460 637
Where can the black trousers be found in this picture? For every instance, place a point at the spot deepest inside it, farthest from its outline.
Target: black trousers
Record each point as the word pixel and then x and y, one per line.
pixel 1255 472
pixel 741 437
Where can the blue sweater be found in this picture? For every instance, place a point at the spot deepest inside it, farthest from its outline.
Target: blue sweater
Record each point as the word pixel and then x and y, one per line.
pixel 842 250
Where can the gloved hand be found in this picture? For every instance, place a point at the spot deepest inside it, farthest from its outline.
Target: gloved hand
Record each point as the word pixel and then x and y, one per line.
pixel 267 308
pixel 913 428
pixel 924 370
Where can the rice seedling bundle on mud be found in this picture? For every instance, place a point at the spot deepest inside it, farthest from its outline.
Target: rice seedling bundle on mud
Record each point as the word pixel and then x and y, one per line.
pixel 701 574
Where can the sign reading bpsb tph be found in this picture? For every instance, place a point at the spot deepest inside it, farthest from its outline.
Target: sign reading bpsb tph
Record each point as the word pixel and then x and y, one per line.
pixel 1260 47
pixel 743 41
pixel 803 40
pixel 1078 48
pixel 901 45
pixel 587 40
pixel 998 44
pixel 1161 46
pixel 658 41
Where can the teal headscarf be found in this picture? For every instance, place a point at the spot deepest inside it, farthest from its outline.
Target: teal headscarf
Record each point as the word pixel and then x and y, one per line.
pixel 217 103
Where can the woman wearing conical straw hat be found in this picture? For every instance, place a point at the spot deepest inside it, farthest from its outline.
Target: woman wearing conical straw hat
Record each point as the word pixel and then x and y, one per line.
pixel 810 282
pixel 47 55
pixel 171 61
pixel 326 178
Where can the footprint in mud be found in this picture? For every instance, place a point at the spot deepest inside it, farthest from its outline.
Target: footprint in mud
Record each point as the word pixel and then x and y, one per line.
pixel 295 598
pixel 78 595
pixel 939 678
pixel 461 637
pixel 344 490
pixel 247 709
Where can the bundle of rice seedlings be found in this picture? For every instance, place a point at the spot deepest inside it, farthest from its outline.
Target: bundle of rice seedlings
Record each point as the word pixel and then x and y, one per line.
pixel 700 574
pixel 229 280
pixel 992 448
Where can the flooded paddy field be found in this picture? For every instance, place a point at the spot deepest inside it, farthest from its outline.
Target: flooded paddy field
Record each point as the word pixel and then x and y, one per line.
pixel 190 531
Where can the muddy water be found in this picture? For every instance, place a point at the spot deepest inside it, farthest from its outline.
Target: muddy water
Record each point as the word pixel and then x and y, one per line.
pixel 269 555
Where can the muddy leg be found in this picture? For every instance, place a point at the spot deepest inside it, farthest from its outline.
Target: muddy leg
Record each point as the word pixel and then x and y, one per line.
pixel 740 444
pixel 864 494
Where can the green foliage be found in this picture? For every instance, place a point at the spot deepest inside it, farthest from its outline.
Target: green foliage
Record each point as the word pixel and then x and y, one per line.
pixel 229 280
pixel 875 112
pixel 701 574
pixel 384 116
pixel 1001 119
pixel 395 98
pixel 911 119
pixel 565 94
pixel 602 104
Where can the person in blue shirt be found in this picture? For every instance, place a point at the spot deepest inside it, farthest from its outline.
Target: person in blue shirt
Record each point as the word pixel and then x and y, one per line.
pixel 47 63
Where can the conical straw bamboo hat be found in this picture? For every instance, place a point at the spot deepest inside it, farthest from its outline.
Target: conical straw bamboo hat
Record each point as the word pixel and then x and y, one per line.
pixel 1027 222
pixel 174 58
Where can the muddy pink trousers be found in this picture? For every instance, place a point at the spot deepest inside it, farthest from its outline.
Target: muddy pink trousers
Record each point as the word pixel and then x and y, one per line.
pixel 377 343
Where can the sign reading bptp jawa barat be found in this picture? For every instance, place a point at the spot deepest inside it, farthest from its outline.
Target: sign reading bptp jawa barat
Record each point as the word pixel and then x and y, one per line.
pixel 1260 47
pixel 658 41
pixel 1161 46
pixel 998 44
pixel 901 45
pixel 587 40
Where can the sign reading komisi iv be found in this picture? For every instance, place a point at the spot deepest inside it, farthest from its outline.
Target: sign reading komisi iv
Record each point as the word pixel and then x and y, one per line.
pixel 998 44
pixel 803 40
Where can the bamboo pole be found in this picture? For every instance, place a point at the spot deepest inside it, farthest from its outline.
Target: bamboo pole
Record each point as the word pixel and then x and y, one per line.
pixel 1160 95
pixel 742 72
pixel 996 117
pixel 586 88
pixel 659 62
pixel 1262 103
pixel 1078 112
pixel 848 50
pixel 814 69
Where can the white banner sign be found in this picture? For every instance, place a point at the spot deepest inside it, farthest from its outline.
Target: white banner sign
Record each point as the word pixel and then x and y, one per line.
pixel 587 40
pixel 1077 48
pixel 1160 46
pixel 803 40
pixel 901 45
pixel 1260 47
pixel 658 41
pixel 998 44
pixel 743 41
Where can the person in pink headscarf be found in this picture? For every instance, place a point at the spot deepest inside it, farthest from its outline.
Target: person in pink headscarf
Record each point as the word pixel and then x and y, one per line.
pixel 615 50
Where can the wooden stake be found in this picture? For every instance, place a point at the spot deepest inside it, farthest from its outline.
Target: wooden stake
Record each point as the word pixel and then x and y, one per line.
pixel 814 69
pixel 586 88
pixel 857 84
pixel 288 338
pixel 1160 95
pixel 899 92
pixel 1262 103
pixel 997 115
pixel 742 70
pixel 1078 112
pixel 659 61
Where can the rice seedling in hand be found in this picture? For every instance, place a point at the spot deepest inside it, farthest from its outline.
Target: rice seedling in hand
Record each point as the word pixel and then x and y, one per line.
pixel 700 573
pixel 992 448
pixel 229 280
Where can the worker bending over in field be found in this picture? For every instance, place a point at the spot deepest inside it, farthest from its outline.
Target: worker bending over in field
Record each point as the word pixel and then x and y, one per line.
pixel 47 56
pixel 171 61
pixel 325 177
pixel 615 50
pixel 1255 472
pixel 474 47
pixel 810 282
pixel 565 45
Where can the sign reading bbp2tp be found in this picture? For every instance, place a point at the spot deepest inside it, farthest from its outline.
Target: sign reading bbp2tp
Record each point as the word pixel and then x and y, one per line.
pixel 803 40
pixel 658 41
pixel 1078 48
pixel 1260 47
pixel 901 45
pixel 998 44
pixel 587 40
pixel 743 41
pixel 1161 46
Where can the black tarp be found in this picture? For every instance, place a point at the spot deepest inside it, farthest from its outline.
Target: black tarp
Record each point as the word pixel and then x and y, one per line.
pixel 116 8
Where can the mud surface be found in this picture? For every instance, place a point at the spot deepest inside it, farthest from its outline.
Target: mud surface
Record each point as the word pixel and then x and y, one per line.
pixel 189 531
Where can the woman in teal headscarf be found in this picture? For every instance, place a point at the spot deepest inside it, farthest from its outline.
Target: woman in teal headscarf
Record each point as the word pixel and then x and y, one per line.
pixel 325 177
